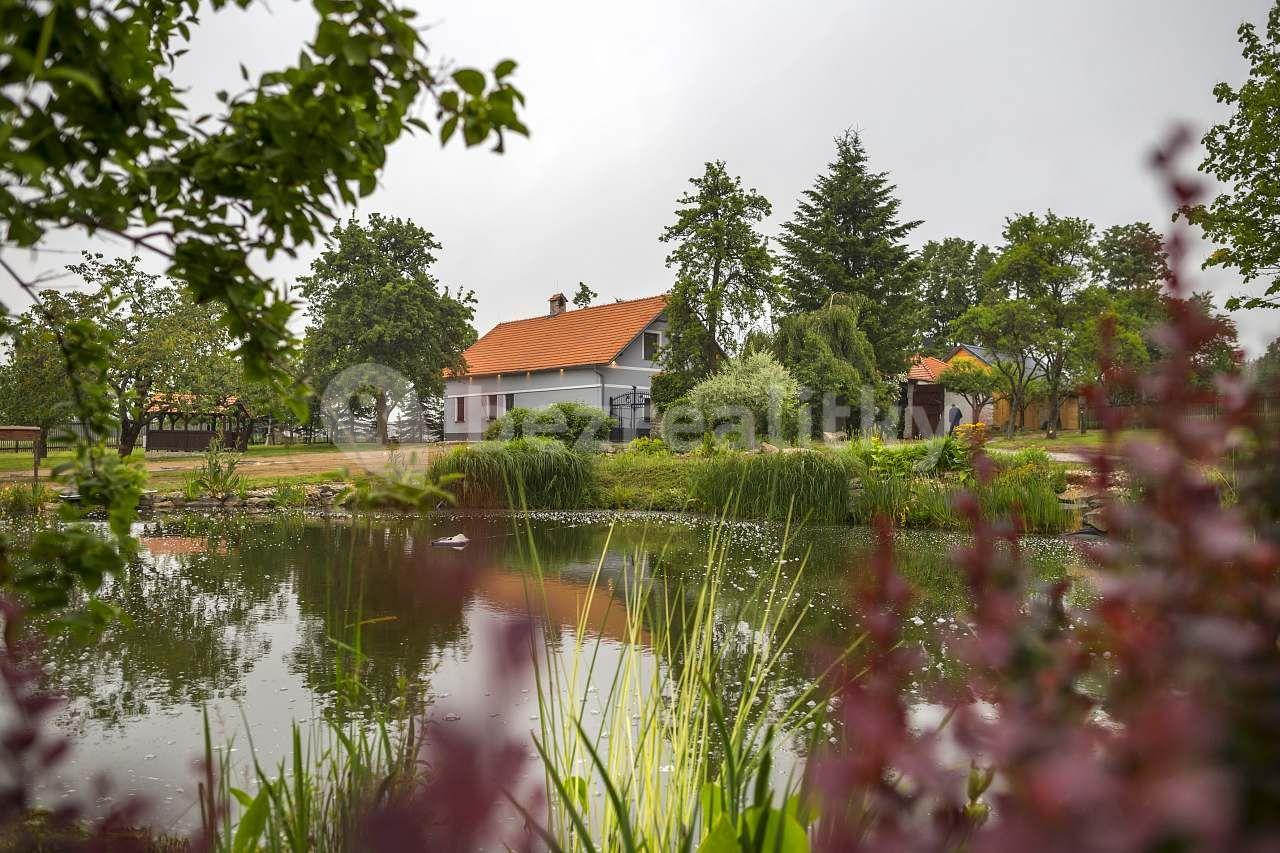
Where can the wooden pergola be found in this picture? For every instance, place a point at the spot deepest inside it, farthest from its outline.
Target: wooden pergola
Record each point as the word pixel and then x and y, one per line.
pixel 187 422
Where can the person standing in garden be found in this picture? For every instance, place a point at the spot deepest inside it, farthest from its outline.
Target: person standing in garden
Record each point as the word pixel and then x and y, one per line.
pixel 953 418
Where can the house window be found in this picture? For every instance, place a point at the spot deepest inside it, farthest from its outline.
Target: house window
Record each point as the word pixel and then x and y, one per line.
pixel 509 403
pixel 459 410
pixel 651 341
pixel 491 407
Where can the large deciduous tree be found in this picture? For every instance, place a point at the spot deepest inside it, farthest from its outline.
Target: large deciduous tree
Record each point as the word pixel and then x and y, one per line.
pixel 373 298
pixel 1047 260
pixel 1244 219
pixel 162 341
pixel 952 276
pixel 723 266
pixel 846 237
pixel 1008 328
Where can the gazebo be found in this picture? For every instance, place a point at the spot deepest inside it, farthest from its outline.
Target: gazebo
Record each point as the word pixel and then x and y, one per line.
pixel 188 422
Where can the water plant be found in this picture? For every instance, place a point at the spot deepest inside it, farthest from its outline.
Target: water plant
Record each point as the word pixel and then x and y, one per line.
pixel 17 499
pixel 806 484
pixel 216 475
pixel 537 473
pixel 681 732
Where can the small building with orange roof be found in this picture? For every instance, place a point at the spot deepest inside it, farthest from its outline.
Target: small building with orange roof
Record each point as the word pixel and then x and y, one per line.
pixel 603 356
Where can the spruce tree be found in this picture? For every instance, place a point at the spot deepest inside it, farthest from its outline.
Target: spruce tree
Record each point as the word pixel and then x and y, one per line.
pixel 846 237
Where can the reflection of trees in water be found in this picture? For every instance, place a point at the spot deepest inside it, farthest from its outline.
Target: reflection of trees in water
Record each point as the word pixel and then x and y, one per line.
pixel 192 624
pixel 196 611
pixel 410 596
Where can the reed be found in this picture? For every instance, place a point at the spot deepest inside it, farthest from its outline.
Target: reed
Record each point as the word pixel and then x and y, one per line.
pixel 535 473
pixel 683 744
pixel 811 485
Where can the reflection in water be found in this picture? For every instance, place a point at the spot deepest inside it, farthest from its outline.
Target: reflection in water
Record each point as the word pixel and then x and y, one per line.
pixel 242 614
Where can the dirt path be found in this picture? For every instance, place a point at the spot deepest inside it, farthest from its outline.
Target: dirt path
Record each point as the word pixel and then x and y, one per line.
pixel 169 467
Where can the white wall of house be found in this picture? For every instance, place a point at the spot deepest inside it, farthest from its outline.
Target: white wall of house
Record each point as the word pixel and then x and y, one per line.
pixel 951 398
pixel 486 398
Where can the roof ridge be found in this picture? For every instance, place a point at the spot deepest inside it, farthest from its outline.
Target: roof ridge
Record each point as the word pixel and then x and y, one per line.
pixel 580 310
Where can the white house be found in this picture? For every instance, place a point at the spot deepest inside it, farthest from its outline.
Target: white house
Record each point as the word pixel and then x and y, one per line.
pixel 603 356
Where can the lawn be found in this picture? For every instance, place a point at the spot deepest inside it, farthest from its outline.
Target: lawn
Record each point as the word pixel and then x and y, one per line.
pixel 1066 442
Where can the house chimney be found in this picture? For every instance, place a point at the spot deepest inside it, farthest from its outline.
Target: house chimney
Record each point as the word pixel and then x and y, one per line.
pixel 558 304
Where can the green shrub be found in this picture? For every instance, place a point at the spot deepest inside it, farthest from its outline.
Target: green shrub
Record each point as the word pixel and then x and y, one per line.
pixel 756 384
pixel 289 494
pixel 809 484
pixel 1033 463
pixel 23 498
pixel 571 423
pixel 1030 498
pixel 647 446
pixel 532 473
pixel 644 481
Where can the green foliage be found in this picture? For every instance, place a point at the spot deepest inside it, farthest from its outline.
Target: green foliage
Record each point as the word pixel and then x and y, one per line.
pixel 724 269
pixel 1244 219
pixel 585 296
pixel 640 480
pixel 1047 260
pixel 102 138
pixel 286 494
pixel 952 280
pixel 670 386
pixel 572 423
pixel 752 387
pixel 846 237
pixel 1009 329
pixel 648 446
pixel 217 476
pixel 807 486
pixel 974 382
pixel 829 353
pixel 680 721
pixel 373 299
pixel 533 473
pixel 19 499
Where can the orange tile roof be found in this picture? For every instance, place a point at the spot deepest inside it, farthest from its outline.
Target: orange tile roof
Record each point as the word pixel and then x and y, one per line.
pixel 926 368
pixel 578 338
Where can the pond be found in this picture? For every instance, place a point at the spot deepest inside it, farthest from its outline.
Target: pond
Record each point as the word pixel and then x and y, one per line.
pixel 245 617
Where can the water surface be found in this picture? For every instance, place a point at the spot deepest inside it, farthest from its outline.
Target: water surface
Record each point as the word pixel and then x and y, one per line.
pixel 245 616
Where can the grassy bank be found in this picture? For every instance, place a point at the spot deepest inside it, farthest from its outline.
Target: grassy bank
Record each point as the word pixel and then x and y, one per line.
pixel 913 483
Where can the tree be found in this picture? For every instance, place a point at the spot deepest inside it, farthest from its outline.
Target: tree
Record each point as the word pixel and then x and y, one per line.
pixel 1048 260
pixel 162 341
pixel 1111 336
pixel 724 269
pixel 1241 154
pixel 1008 328
pixel 34 389
pixel 372 298
pixel 754 385
pixel 845 237
pixel 585 296
pixel 829 354
pixel 1266 367
pixel 1131 258
pixel 952 275
pixel 1219 348
pixel 972 381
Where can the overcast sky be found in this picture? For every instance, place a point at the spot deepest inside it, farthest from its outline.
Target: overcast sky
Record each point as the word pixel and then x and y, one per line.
pixel 977 109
